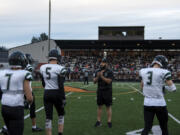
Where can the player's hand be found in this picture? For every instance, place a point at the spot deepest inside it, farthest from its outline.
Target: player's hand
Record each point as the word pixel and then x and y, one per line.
pixel 26 104
pixel 101 73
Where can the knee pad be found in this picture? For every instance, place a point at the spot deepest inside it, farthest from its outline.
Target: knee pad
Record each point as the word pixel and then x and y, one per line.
pixel 48 123
pixel 61 119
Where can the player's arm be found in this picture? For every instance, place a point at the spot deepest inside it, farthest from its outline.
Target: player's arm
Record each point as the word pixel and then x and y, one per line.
pixel 141 85
pixel 42 80
pixel 170 86
pixel 27 87
pixel 61 77
pixel 29 68
pixel 27 91
pixel 107 80
pixel 0 93
pixel 168 80
pixel 41 77
pixel 63 72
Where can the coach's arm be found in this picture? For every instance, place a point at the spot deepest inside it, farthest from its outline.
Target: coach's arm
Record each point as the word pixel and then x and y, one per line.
pixel 107 80
pixel 95 80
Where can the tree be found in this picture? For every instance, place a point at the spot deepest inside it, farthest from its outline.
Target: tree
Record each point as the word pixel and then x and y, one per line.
pixel 42 37
pixel 34 40
pixel 2 48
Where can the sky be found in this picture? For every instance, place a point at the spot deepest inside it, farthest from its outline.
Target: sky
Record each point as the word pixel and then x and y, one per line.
pixel 20 20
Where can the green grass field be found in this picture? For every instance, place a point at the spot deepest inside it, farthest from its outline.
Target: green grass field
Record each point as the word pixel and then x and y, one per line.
pixel 81 111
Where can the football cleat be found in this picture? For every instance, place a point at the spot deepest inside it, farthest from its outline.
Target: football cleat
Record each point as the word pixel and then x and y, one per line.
pixel 98 124
pixel 36 129
pixel 109 124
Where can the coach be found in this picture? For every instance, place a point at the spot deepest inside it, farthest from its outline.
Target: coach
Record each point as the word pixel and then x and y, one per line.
pixel 104 78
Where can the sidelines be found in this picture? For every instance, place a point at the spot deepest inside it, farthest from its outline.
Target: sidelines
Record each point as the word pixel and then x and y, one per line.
pixel 170 115
pixel 41 108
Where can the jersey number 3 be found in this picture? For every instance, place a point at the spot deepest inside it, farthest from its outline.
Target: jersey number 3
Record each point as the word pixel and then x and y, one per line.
pixel 48 73
pixel 150 74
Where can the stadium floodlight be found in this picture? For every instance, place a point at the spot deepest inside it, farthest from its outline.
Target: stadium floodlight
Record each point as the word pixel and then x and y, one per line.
pixel 49 31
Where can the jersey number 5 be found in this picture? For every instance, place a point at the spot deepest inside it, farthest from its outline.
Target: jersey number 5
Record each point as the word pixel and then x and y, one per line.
pixel 8 81
pixel 150 74
pixel 48 73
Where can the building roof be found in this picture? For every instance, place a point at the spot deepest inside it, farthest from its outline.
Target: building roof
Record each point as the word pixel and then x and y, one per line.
pixel 118 44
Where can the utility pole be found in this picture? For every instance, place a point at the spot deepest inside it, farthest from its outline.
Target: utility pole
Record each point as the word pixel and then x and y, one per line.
pixel 49 34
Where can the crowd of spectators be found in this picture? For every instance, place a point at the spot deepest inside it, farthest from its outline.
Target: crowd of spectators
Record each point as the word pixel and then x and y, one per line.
pixel 125 65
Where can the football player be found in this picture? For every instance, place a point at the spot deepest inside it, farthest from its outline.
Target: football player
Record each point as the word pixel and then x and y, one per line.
pixel 53 82
pixel 14 83
pixel 153 81
pixel 31 107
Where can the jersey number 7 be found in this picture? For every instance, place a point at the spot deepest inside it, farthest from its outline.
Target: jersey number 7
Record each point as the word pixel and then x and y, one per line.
pixel 8 81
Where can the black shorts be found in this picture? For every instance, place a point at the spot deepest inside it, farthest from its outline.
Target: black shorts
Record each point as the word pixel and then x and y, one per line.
pixel 14 119
pixel 53 98
pixel 104 97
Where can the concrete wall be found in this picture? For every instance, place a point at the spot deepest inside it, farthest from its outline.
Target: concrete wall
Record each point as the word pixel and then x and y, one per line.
pixel 39 51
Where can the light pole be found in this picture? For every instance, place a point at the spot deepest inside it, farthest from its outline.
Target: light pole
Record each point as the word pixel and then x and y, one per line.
pixel 49 34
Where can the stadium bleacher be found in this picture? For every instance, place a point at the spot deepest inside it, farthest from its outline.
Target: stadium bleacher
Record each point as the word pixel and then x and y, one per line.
pixel 125 65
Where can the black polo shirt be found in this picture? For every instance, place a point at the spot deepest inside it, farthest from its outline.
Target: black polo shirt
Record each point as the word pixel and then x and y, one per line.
pixel 102 85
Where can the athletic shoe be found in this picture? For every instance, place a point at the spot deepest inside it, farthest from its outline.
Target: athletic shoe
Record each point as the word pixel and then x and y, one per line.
pixel 4 131
pixel 98 124
pixel 36 129
pixel 109 124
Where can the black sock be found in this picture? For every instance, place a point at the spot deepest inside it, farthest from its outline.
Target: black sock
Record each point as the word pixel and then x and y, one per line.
pixel 59 133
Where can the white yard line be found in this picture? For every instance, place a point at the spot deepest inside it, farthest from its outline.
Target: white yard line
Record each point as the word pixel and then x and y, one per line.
pixel 170 115
pixel 86 86
pixel 175 119
pixel 69 94
pixel 136 89
pixel 41 108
